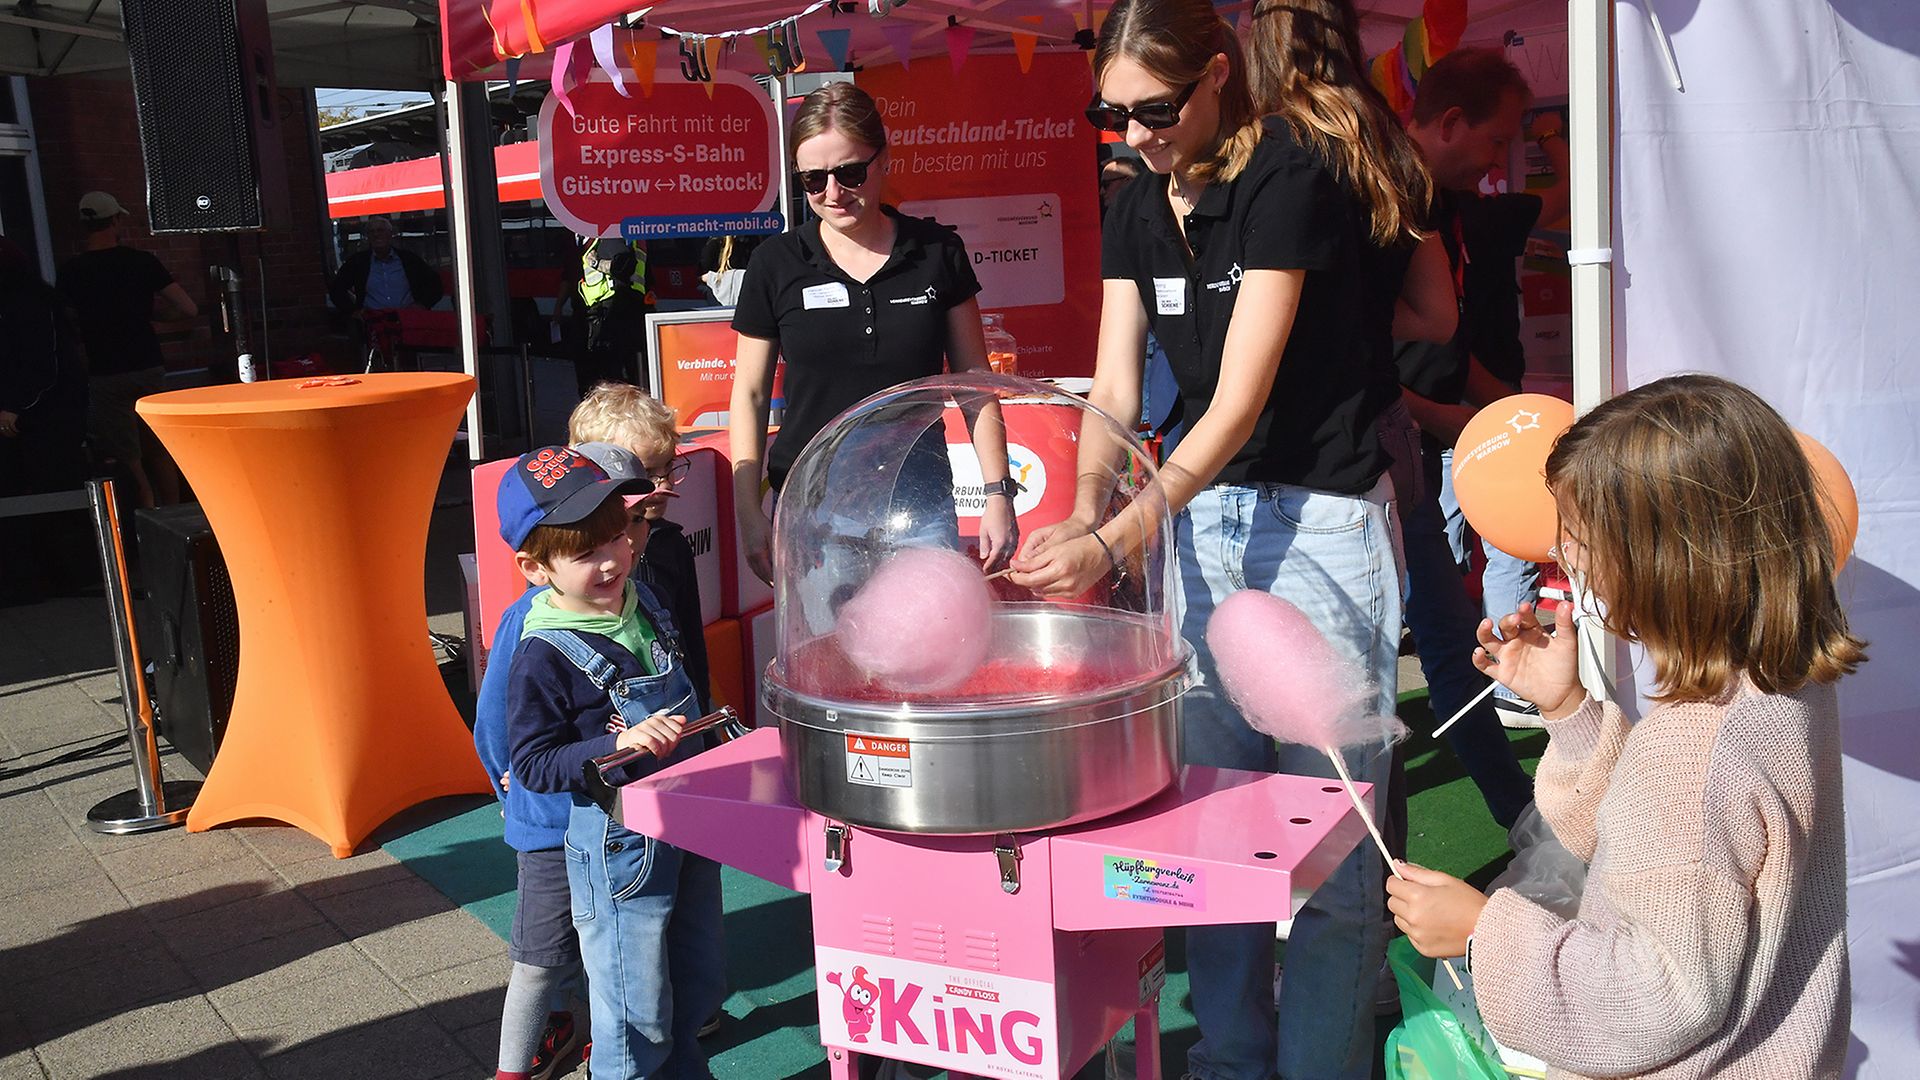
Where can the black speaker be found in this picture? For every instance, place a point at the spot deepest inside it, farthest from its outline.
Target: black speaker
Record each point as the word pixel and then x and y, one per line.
pixel 209 125
pixel 189 629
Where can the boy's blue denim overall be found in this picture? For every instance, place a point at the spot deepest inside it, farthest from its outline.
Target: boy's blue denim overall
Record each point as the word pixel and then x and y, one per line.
pixel 648 914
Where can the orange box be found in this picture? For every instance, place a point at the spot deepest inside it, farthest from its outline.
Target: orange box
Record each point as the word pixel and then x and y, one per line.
pixel 726 665
pixel 758 628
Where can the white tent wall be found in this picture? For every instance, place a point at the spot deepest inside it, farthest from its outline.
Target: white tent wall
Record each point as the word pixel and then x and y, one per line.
pixel 1768 229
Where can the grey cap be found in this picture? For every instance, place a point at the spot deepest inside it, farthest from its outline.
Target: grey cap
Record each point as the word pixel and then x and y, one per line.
pixel 618 461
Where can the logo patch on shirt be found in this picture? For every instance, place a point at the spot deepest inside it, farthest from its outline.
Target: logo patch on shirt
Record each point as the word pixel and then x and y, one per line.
pixel 918 299
pixel 833 294
pixel 1227 284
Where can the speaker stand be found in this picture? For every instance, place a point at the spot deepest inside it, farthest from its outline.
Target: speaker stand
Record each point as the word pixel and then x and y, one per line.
pixel 128 812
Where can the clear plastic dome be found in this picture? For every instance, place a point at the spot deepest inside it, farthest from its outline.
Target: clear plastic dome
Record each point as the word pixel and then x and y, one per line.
pixel 876 577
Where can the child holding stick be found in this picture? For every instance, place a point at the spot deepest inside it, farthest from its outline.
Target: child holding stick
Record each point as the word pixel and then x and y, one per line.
pixel 1711 939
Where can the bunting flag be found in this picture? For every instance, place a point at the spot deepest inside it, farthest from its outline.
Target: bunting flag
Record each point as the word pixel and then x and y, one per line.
pixel 1023 43
pixel 835 42
pixel 532 25
pixel 1396 72
pixel 711 47
pixel 602 42
pixel 642 55
pixel 563 83
pixel 959 42
pixel 513 73
pixel 900 37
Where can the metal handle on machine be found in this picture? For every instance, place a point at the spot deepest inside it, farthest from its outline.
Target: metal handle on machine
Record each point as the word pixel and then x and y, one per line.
pixel 726 718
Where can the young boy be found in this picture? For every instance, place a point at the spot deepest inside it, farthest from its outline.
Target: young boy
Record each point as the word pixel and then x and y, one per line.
pixel 628 417
pixel 599 669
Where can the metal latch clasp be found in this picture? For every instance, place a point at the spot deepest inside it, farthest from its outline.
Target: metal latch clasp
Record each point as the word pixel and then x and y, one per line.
pixel 1007 851
pixel 836 848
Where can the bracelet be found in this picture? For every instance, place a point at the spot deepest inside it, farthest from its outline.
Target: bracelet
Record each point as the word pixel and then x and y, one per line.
pixel 1119 571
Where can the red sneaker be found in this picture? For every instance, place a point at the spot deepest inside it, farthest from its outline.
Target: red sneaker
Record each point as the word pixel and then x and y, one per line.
pixel 560 1041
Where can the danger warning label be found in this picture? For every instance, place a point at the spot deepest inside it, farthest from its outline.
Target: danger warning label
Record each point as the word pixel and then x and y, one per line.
pixel 879 762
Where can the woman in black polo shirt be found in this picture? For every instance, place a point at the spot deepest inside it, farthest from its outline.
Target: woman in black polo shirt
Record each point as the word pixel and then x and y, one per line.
pixel 1247 255
pixel 863 299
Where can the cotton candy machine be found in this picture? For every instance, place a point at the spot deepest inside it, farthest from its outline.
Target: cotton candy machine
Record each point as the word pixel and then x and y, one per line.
pixel 913 695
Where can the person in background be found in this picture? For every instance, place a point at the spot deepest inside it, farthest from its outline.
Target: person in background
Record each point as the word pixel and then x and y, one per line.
pixel 1115 173
pixel 632 419
pixel 43 419
pixel 1466 112
pixel 1711 937
pixel 116 293
pixel 723 267
pixel 608 302
pixel 383 277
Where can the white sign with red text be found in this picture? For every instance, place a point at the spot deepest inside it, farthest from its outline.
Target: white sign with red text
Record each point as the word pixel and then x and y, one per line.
pixel 968 1021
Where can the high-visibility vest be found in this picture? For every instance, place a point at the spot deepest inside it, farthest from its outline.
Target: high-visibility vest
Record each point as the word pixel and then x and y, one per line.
pixel 597 284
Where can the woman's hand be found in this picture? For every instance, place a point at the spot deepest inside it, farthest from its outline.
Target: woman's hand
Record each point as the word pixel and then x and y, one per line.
pixel 1061 565
pixel 999 532
pixel 756 542
pixel 657 734
pixel 1436 911
pixel 1542 667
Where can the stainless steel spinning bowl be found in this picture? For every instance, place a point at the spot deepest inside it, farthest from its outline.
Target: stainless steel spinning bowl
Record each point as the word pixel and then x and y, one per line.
pixel 1093 732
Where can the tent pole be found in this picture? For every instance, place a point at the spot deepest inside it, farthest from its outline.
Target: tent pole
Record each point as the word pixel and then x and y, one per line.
pixel 1590 125
pixel 460 217
pixel 778 87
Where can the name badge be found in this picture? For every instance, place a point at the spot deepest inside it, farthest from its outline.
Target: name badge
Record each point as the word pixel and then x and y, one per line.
pixel 831 295
pixel 1170 296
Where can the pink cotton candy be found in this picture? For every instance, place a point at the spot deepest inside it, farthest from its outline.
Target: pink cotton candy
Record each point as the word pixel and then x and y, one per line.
pixel 922 622
pixel 1287 680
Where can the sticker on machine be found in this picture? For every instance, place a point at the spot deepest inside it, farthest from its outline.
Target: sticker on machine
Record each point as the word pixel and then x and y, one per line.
pixel 1145 881
pixel 879 761
pixel 982 1024
pixel 1153 971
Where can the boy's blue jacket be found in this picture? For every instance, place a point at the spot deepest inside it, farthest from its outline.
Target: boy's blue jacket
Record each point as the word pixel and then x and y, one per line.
pixel 535 821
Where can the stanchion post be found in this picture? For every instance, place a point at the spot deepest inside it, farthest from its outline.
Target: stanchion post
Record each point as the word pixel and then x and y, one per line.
pixel 154 802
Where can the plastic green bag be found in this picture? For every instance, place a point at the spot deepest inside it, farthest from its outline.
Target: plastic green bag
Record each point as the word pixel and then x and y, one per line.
pixel 1430 1042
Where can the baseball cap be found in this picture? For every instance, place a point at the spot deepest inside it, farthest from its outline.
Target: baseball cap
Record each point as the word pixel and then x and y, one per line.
pixel 99 206
pixel 555 485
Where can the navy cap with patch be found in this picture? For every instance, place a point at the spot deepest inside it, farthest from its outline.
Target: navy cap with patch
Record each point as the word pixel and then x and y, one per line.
pixel 555 485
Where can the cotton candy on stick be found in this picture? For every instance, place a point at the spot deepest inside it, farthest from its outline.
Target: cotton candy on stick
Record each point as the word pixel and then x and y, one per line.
pixel 1290 684
pixel 922 622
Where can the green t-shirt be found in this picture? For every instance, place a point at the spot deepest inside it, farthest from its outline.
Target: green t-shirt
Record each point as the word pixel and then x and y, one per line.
pixel 631 629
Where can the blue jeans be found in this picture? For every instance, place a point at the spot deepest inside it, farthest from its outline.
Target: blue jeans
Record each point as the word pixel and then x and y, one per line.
pixel 1506 583
pixel 648 916
pixel 1333 556
pixel 1442 619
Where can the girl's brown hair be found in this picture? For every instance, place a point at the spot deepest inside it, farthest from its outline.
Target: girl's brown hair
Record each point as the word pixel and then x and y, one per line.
pixel 547 544
pixel 1307 68
pixel 841 107
pixel 1175 41
pixel 1706 534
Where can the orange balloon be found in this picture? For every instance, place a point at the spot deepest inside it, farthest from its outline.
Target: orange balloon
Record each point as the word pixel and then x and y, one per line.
pixel 1500 473
pixel 1837 498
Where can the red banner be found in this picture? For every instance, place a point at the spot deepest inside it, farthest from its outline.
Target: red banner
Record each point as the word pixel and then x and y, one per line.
pixel 687 160
pixel 1007 159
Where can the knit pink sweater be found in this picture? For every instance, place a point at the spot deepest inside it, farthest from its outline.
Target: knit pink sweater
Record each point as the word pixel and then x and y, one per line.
pixel 1711 940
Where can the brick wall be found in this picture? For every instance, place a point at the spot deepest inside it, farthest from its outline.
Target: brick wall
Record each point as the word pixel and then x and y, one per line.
pixel 89 139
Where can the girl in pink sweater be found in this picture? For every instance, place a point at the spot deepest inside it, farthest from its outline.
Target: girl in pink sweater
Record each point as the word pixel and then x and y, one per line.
pixel 1711 939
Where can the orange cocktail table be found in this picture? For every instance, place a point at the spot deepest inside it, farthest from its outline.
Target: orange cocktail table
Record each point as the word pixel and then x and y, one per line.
pixel 320 492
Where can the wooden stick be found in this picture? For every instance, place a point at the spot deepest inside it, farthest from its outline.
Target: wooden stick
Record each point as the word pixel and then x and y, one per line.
pixel 1366 818
pixel 999 573
pixel 1465 709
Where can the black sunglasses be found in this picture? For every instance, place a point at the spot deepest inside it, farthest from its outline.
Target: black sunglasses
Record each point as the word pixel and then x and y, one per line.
pixel 850 175
pixel 1154 116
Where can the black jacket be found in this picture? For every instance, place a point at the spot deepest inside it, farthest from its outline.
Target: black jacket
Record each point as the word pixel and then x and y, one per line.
pixel 42 376
pixel 349 288
pixel 667 565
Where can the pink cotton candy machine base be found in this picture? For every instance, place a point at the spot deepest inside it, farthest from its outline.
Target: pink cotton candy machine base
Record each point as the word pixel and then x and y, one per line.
pixel 1011 956
pixel 1071 716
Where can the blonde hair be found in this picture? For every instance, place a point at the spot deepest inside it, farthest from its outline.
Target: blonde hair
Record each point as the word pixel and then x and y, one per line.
pixel 1706 537
pixel 1176 41
pixel 1307 68
pixel 624 415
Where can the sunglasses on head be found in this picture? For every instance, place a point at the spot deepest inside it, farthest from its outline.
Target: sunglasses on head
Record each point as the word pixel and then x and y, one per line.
pixel 1154 116
pixel 850 175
